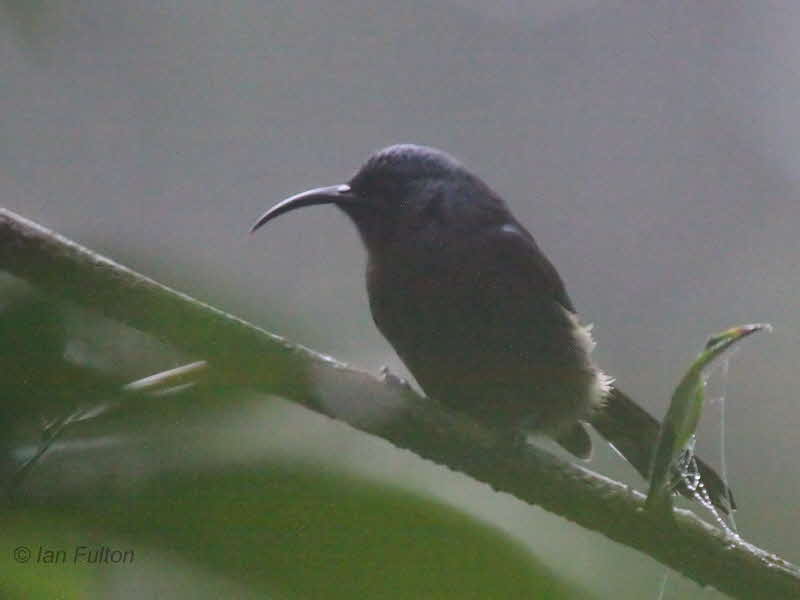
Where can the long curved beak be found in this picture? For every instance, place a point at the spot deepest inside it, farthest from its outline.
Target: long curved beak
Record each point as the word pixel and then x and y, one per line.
pixel 334 194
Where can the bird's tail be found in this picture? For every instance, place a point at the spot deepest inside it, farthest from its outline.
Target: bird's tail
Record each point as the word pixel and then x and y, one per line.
pixel 634 433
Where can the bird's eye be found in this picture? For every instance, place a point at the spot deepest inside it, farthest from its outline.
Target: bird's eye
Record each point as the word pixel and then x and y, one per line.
pixel 434 208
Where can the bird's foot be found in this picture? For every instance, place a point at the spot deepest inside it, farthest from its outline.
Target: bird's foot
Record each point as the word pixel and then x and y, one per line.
pixel 392 379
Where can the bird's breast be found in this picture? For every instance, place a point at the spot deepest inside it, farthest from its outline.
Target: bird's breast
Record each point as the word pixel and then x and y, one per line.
pixel 481 343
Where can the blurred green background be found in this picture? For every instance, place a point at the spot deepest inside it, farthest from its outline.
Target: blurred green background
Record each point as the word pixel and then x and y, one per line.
pixel 650 148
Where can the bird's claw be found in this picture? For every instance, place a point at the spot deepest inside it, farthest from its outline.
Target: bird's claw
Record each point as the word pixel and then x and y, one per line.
pixel 392 379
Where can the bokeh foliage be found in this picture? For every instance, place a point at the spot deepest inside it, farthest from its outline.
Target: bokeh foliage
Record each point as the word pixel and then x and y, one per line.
pixel 192 477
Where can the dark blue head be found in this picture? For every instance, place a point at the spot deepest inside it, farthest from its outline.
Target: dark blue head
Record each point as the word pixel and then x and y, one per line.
pixel 389 172
pixel 406 190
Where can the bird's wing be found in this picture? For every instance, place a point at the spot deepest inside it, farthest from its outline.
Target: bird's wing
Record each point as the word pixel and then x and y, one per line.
pixel 522 260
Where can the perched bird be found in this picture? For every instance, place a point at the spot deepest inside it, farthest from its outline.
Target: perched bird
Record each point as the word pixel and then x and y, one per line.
pixel 475 309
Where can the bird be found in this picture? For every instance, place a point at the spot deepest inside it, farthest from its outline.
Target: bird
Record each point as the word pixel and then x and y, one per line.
pixel 477 312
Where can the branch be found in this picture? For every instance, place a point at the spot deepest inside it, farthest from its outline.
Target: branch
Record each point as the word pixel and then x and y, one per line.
pixel 240 353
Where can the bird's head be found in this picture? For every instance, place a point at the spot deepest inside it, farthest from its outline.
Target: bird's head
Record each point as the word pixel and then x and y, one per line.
pixel 405 190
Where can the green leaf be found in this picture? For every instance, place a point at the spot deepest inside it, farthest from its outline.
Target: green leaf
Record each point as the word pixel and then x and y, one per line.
pixel 196 477
pixel 678 429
